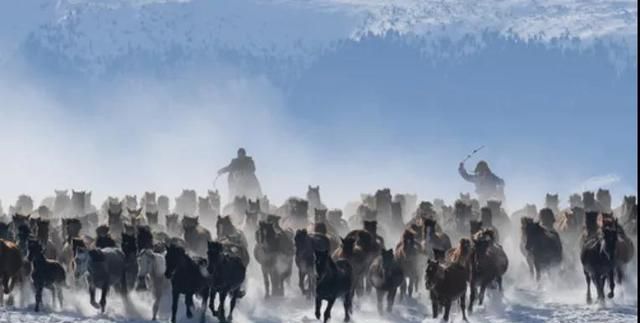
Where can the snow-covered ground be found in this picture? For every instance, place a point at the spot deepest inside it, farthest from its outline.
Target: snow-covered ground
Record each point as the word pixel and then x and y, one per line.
pixel 558 298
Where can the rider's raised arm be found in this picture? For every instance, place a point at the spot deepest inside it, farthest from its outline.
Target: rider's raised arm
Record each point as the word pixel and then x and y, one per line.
pixel 224 170
pixel 463 172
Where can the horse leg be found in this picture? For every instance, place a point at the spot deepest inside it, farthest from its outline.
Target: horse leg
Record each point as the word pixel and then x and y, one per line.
pixel 156 305
pixel 265 278
pixel 412 284
pixel 434 305
pixel 619 273
pixel 60 299
pixel 391 297
pixel 92 296
pixel 174 305
pixel 223 297
pixel 318 305
pixel 327 310
pixel 403 289
pixel 188 302
pixel 301 281
pixel 463 299
pixel 53 295
pixel 379 296
pixel 588 279
pixel 5 285
pixel 612 284
pixel 275 283
pixel 367 286
pixel 472 295
pixel 600 287
pixel 499 281
pixel 103 298
pixel 359 286
pixel 312 284
pixel 347 301
pixel 447 308
pixel 483 289
pixel 38 297
pixel 232 305
pixel 205 299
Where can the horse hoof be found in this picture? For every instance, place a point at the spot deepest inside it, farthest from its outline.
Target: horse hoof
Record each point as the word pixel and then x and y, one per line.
pixel 610 295
pixel 189 315
pixel 589 301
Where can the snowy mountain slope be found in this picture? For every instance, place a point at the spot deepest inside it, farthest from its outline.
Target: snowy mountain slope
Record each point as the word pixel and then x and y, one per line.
pixel 93 33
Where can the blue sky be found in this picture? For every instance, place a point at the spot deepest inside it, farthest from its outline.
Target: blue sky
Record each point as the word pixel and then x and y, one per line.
pixel 349 109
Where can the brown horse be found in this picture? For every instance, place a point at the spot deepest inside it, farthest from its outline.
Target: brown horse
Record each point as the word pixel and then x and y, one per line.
pixel 358 259
pixel 195 235
pixel 446 282
pixel 433 238
pixel 306 246
pixel 233 240
pixel 385 275
pixel 274 251
pixel 624 245
pixel 541 247
pixel 407 253
pixel 489 263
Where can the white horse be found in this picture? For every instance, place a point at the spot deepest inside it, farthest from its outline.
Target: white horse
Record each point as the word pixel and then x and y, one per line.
pixel 151 266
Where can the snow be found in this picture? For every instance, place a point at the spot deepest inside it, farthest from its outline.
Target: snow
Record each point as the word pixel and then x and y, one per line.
pixel 557 298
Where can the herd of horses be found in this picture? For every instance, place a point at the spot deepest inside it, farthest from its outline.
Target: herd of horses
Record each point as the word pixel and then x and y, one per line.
pixel 202 249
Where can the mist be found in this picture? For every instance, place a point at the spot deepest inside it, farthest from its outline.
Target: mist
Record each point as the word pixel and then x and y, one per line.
pixel 372 113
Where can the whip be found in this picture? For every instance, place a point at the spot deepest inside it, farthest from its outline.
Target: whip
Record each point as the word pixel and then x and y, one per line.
pixel 472 153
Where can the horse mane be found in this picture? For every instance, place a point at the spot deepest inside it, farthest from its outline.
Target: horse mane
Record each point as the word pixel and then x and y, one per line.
pixel 458 254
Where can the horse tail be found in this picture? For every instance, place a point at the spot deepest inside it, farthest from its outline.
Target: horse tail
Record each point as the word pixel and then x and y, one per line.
pixel 123 281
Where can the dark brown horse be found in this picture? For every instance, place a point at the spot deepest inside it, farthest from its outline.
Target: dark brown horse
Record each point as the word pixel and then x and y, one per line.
pixel 541 247
pixel 274 251
pixel 45 274
pixel 11 264
pixel 407 253
pixel 446 282
pixel 357 258
pixel 188 277
pixel 598 259
pixel 489 263
pixel 195 235
pixel 334 279
pixel 385 275
pixel 226 277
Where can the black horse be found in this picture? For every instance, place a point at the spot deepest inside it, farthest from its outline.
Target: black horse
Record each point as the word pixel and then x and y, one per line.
pixel 598 259
pixel 227 273
pixel 45 274
pixel 187 277
pixel 334 279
